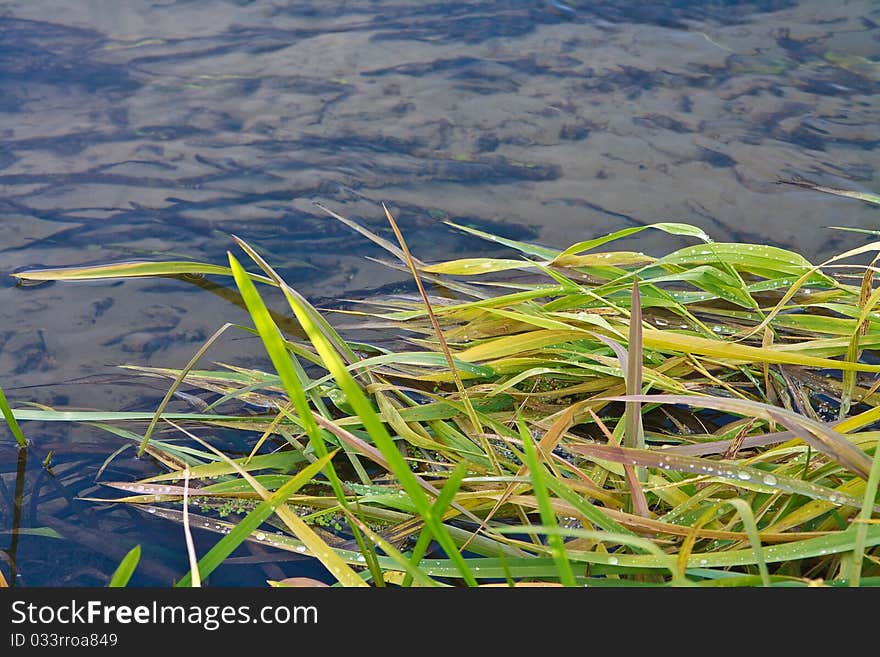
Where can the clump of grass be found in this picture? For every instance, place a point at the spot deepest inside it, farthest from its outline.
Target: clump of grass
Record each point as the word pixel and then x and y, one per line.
pixel 576 417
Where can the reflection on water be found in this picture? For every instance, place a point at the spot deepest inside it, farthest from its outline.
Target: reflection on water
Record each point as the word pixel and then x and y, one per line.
pixel 136 130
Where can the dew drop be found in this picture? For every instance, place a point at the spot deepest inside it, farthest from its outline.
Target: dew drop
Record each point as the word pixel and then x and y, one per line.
pixel 744 476
pixel 260 536
pixel 769 479
pixel 300 548
pixel 151 510
pixel 613 561
pixel 704 562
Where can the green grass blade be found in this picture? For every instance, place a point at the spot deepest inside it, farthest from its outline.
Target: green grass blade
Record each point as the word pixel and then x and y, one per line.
pixel 860 196
pixel 751 527
pixel 444 499
pixel 471 266
pixel 548 515
pixel 634 435
pixel 11 420
pixel 127 270
pixel 524 247
pixel 126 568
pixel 863 520
pixel 178 381
pixel 685 230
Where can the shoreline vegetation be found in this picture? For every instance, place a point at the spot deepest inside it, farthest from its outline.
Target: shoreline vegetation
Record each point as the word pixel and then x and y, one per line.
pixel 587 416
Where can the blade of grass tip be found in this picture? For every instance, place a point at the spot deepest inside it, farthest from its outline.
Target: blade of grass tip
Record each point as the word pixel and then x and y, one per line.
pixel 108 460
pixel 196 580
pixel 356 397
pixel 545 508
pixel 441 339
pixel 860 196
pixel 178 381
pixel 381 241
pixel 11 422
pixel 530 249
pixel 274 503
pixel 126 568
pixel 864 519
pixel 341 346
pixel 283 412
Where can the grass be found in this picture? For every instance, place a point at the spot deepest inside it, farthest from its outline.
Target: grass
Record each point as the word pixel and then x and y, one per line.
pixel 576 417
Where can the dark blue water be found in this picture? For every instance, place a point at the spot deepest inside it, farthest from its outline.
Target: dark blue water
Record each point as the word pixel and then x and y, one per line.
pixel 132 130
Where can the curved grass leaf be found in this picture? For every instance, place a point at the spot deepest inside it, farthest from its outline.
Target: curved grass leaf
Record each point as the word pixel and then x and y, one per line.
pixel 11 421
pixel 864 518
pixel 548 516
pixel 128 270
pixel 470 266
pixel 662 341
pixel 817 434
pixel 685 230
pixel 126 568
pixel 524 247
pixel 743 476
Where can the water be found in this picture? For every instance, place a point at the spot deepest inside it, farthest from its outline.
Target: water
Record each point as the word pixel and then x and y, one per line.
pixel 133 130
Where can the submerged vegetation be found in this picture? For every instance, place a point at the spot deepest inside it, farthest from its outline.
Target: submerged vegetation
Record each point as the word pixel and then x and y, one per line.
pixel 577 417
